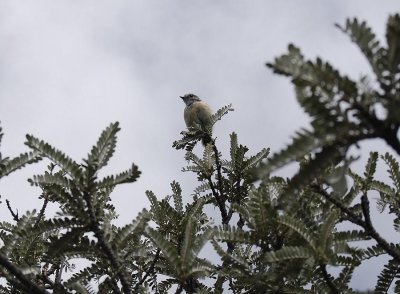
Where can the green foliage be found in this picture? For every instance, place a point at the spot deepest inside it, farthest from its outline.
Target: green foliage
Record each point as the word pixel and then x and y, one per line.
pixel 8 166
pixel 265 233
pixel 105 147
pixel 48 244
pixel 342 110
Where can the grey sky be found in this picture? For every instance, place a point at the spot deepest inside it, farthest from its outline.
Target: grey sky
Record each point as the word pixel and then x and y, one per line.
pixel 69 68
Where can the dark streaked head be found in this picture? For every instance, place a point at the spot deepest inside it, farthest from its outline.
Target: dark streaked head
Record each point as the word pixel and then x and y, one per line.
pixel 189 99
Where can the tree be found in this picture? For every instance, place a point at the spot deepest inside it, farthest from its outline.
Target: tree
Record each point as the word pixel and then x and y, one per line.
pixel 273 235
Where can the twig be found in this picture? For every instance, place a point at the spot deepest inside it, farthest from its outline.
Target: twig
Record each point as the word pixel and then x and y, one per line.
pixel 381 130
pixel 237 199
pixel 149 270
pixel 366 224
pixel 220 202
pixel 14 215
pixel 219 173
pixel 328 279
pixel 370 230
pixel 220 198
pixel 352 216
pixel 41 212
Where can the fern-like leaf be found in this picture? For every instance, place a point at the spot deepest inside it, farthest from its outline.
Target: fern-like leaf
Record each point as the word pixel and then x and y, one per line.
pixel 344 278
pixel 177 196
pixel 188 242
pixel 138 224
pixel 56 156
pixel 326 231
pixel 50 179
pixel 288 253
pixel 370 170
pixel 10 165
pixel 220 113
pixel 386 277
pixel 394 171
pixel 366 40
pixel 254 160
pixel 128 176
pixel 105 146
pixel 225 255
pixel 300 228
pixel 393 41
pixel 232 234
pixel 314 168
pixel 303 143
pixel 288 64
pixel 166 247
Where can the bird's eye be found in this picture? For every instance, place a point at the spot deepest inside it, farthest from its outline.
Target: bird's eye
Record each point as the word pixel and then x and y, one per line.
pixel 191 95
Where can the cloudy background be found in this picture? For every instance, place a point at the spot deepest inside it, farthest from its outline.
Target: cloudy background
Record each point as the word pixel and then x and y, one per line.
pixel 69 68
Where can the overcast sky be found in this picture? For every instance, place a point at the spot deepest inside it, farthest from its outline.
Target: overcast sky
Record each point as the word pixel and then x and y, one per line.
pixel 69 68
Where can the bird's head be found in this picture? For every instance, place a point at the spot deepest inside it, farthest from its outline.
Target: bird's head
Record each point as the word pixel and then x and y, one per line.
pixel 189 99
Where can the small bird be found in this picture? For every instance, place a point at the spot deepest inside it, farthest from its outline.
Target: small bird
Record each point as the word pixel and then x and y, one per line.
pixel 197 113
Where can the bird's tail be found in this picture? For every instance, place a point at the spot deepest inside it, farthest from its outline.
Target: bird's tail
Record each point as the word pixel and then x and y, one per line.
pixel 207 138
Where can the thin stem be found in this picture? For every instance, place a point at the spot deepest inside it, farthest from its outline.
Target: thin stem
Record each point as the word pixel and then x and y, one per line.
pixel 220 187
pixel 41 212
pixel 219 173
pixel 14 215
pixel 220 202
pixel 370 230
pixel 221 198
pixel 149 270
pixel 328 279
pixel 366 224
pixel 352 216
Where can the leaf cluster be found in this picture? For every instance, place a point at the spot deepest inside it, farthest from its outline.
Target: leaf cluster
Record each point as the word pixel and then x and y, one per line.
pixel 243 229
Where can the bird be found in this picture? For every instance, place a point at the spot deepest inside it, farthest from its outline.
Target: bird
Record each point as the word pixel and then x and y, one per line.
pixel 198 114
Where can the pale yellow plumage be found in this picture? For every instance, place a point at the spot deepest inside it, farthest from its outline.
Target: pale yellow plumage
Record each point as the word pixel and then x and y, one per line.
pixel 197 113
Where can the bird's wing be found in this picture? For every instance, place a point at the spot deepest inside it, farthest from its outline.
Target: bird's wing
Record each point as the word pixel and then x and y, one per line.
pixel 204 113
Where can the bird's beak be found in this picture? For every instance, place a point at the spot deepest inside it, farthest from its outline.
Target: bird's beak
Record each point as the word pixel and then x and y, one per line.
pixel 182 97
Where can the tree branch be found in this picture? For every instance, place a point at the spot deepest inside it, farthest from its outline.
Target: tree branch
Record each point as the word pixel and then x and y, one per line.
pixel 370 230
pixel 41 212
pixel 220 202
pixel 391 139
pixel 14 215
pixel 352 216
pixel 366 224
pixel 220 198
pixel 31 286
pixel 219 174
